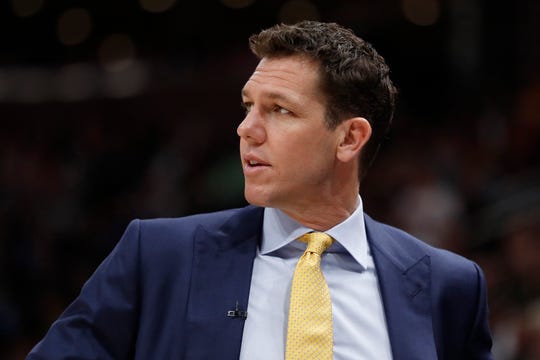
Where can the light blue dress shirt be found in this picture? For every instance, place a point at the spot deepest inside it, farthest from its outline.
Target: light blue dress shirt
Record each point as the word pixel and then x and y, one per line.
pixel 358 317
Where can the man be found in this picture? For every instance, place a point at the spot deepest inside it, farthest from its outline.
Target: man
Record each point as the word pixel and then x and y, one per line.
pixel 219 285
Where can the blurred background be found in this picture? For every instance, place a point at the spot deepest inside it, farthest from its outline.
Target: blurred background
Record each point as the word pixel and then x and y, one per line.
pixel 114 110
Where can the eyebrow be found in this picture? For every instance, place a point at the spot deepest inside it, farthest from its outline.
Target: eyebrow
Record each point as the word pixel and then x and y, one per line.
pixel 271 95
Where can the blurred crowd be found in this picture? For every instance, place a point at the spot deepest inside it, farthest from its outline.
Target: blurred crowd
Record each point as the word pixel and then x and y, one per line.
pixel 461 173
pixel 68 187
pixel 472 186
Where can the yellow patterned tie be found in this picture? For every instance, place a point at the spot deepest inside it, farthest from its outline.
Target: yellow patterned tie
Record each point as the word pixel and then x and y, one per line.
pixel 310 335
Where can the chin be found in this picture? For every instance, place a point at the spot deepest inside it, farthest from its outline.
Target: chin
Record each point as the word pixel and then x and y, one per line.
pixel 255 200
pixel 257 197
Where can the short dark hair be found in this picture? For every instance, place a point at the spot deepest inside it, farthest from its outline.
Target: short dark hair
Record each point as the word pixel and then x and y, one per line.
pixel 354 77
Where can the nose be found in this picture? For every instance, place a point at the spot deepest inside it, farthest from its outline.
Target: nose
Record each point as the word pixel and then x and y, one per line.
pixel 251 129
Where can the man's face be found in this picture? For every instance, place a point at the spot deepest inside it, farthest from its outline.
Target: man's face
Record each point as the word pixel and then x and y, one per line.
pixel 288 154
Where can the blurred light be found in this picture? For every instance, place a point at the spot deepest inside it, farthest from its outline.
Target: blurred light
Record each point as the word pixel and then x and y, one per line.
pixel 74 26
pixel 421 12
pixel 116 51
pixel 25 8
pixel 156 6
pixel 126 81
pixel 31 85
pixel 77 82
pixel 237 4
pixel 296 10
pixel 4 84
pixel 73 82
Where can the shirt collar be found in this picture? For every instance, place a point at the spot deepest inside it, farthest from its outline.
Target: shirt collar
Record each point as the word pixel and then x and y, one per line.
pixel 280 231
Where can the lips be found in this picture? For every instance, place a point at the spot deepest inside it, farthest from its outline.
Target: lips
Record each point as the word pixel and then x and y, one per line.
pixel 255 163
pixel 253 160
pixel 252 163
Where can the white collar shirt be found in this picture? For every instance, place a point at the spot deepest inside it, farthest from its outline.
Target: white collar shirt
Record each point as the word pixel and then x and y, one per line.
pixel 360 330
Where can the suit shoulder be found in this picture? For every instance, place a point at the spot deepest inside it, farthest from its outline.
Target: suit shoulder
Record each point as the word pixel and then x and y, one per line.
pixel 189 223
pixel 166 236
pixel 405 243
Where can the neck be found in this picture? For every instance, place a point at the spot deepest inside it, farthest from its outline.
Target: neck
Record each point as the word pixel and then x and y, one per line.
pixel 324 207
pixel 331 205
pixel 325 215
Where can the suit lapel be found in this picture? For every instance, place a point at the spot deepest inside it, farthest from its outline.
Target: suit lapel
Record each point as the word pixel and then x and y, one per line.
pixel 223 263
pixel 404 273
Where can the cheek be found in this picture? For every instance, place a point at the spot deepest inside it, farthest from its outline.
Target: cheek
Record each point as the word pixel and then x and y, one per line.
pixel 303 152
pixel 307 164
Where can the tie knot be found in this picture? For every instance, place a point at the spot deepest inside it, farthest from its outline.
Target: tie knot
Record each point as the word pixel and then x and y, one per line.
pixel 317 242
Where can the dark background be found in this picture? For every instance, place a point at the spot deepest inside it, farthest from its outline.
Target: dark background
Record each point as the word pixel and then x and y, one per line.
pixel 114 110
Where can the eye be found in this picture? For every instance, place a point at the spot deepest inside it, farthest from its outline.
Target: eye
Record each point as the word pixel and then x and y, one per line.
pixel 247 106
pixel 281 110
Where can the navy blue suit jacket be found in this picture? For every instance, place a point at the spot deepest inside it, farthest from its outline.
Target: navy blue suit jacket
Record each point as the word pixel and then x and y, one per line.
pixel 165 290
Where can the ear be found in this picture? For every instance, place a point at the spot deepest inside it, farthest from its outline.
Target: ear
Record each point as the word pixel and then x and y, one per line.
pixel 355 133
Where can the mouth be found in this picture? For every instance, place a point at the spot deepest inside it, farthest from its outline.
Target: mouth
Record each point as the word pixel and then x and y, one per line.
pixel 251 163
pixel 255 163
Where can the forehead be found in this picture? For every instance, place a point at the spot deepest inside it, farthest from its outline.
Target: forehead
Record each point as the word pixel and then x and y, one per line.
pixel 288 74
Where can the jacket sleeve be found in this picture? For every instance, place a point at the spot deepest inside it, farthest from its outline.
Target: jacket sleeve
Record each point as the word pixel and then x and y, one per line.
pixel 101 323
pixel 479 340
